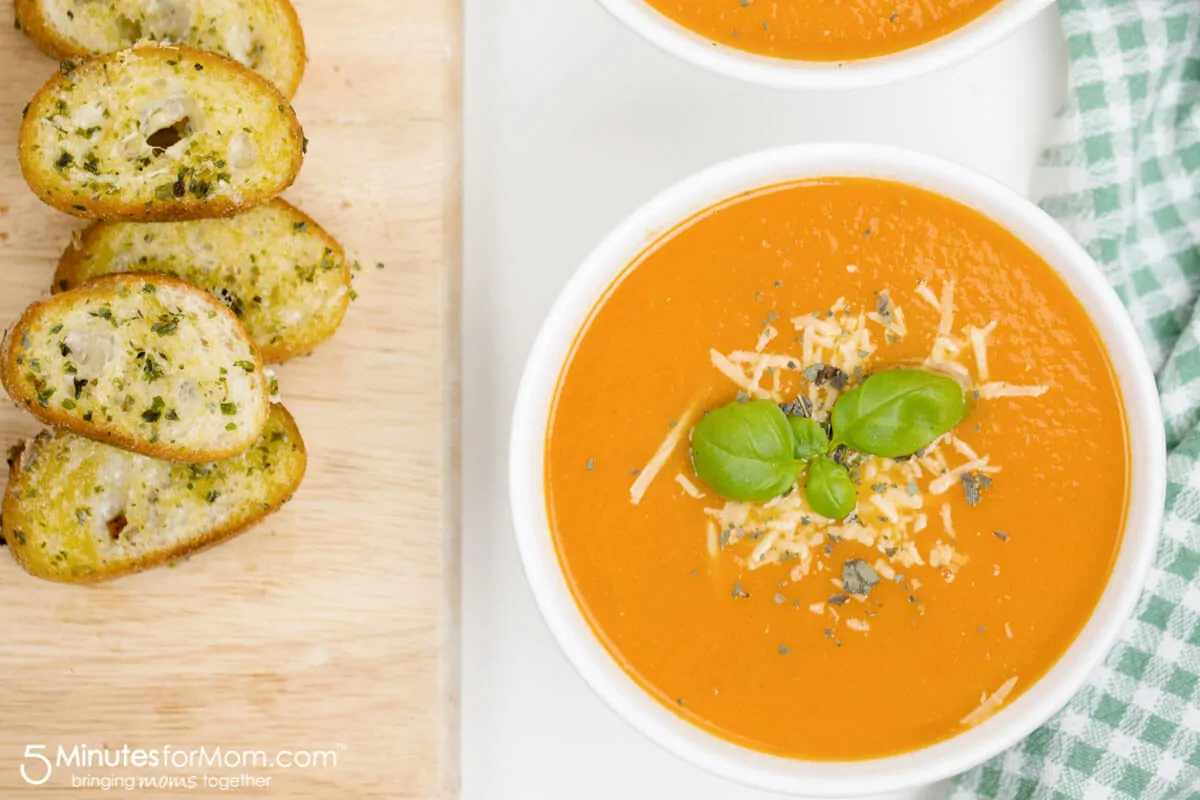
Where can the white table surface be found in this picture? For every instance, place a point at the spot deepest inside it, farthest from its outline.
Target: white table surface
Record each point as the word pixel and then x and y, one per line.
pixel 571 123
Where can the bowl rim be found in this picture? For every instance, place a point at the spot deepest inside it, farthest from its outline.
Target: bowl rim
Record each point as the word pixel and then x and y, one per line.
pixel 989 28
pixel 582 645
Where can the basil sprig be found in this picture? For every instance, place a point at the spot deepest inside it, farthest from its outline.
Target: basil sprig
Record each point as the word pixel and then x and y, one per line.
pixel 745 451
pixel 753 451
pixel 829 489
pixel 897 412
pixel 811 438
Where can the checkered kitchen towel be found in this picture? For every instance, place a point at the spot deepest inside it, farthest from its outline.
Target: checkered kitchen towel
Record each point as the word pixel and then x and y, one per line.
pixel 1122 173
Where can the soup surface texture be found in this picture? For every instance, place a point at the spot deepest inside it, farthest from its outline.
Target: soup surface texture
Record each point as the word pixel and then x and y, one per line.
pixel 822 30
pixel 965 571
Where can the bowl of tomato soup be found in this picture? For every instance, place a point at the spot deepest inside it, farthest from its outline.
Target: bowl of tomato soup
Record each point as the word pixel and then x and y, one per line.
pixel 816 44
pixel 836 468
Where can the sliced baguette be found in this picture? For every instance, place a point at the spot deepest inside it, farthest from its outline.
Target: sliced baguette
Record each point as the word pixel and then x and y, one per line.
pixel 158 133
pixel 264 35
pixel 81 511
pixel 144 362
pixel 276 269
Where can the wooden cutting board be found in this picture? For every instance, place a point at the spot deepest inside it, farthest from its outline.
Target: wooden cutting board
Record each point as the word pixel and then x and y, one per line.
pixel 331 629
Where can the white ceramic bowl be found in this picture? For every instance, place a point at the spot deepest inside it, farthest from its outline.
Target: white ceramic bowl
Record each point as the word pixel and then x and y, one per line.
pixel 986 30
pixel 1019 718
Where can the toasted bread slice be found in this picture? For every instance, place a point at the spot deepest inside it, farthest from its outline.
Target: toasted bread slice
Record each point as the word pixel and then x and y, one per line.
pixel 276 269
pixel 144 362
pixel 264 35
pixel 79 511
pixel 158 133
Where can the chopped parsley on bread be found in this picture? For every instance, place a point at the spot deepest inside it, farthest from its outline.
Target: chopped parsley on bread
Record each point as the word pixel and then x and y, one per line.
pixel 158 133
pixel 76 510
pixel 147 363
pixel 273 266
pixel 264 35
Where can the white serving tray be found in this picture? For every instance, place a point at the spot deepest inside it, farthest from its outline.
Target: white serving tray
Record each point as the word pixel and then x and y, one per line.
pixel 571 122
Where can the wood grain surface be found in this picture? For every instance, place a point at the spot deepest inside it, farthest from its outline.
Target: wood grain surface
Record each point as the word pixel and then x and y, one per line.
pixel 333 625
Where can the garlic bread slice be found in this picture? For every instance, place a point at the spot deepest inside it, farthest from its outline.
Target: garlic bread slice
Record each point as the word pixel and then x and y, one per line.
pixel 144 362
pixel 276 269
pixel 264 35
pixel 158 133
pixel 79 511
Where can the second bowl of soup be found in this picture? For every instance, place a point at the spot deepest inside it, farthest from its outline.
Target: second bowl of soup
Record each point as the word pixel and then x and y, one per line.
pixel 836 468
pixel 817 44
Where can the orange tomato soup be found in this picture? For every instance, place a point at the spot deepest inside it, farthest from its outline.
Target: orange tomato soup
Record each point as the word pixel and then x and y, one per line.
pixel 749 633
pixel 822 30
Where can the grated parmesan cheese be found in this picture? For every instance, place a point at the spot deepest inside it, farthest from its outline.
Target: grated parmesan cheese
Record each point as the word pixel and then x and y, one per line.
pixel 948 524
pixel 652 468
pixel 979 345
pixel 941 553
pixel 992 391
pixel 965 450
pixel 926 294
pixel 946 307
pixel 765 337
pixel 735 374
pixel 895 326
pixel 952 477
pixel 692 489
pixel 756 378
pixel 990 705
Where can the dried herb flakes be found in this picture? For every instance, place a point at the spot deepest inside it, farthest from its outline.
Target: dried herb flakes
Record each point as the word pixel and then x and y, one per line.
pixel 859 577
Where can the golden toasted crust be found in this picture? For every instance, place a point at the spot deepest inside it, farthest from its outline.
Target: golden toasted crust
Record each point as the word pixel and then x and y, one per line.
pixel 285 69
pixel 49 475
pixel 31 22
pixel 271 265
pixel 35 340
pixel 150 134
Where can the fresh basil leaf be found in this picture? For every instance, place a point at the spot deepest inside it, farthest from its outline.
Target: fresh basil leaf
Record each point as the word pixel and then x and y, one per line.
pixel 829 490
pixel 897 412
pixel 744 451
pixel 811 439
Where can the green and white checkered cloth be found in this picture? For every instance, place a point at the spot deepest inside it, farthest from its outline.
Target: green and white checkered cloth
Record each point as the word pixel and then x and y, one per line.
pixel 1122 173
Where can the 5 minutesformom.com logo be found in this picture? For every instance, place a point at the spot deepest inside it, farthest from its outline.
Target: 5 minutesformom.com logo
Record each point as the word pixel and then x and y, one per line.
pixel 40 763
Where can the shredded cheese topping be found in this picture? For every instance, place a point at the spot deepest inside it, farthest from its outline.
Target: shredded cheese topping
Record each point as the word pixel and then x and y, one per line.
pixel 648 473
pixel 692 489
pixel 979 345
pixel 892 516
pixel 735 374
pixel 992 391
pixel 990 704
